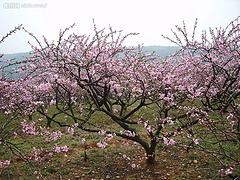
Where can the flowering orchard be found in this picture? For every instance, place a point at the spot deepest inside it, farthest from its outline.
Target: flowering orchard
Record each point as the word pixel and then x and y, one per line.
pixel 217 56
pixel 193 95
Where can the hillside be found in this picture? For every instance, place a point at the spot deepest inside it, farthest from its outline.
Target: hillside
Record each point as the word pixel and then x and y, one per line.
pixel 161 51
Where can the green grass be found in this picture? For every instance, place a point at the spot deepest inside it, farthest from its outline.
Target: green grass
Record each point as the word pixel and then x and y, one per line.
pixel 103 160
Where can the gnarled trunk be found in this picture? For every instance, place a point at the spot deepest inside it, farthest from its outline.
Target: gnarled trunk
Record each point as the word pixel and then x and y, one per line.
pixel 150 152
pixel 150 157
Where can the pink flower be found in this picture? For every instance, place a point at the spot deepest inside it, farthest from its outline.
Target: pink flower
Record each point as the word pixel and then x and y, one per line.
pixel 15 134
pixel 55 135
pixel 102 132
pixel 108 137
pixel 44 87
pixel 141 120
pixel 196 141
pixel 149 129
pixel 130 133
pixel 115 110
pixel 133 165
pixel 37 174
pixel 168 141
pixel 36 154
pixel 83 141
pixel 29 128
pixel 102 144
pixel 52 102
pixel 126 157
pixel 226 172
pixel 70 130
pixel 4 163
pixel 230 116
pixel 59 149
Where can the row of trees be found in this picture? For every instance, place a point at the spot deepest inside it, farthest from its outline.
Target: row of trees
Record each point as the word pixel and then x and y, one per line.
pixel 193 94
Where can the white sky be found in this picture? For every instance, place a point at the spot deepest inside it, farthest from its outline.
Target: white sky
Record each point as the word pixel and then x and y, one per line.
pixel 150 18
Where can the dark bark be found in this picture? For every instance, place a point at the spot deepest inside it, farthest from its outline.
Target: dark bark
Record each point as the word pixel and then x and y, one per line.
pixel 150 152
pixel 150 157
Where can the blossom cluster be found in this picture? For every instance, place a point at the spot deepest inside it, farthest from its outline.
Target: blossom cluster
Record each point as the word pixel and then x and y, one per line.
pixel 4 163
pixel 104 142
pixel 29 128
pixel 59 149
pixel 226 171
pixel 168 141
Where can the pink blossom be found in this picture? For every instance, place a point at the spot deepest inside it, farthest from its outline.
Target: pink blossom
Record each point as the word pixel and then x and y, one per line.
pixel 102 144
pixel 52 102
pixel 83 141
pixel 195 141
pixel 55 135
pixel 115 110
pixel 130 133
pixel 108 137
pixel 230 116
pixel 29 128
pixel 141 120
pixel 75 125
pixel 59 149
pixel 102 132
pixel 149 129
pixel 133 166
pixel 70 130
pixel 36 154
pixel 226 172
pixel 37 174
pixel 126 157
pixel 4 163
pixel 168 141
pixel 15 134
pixel 44 87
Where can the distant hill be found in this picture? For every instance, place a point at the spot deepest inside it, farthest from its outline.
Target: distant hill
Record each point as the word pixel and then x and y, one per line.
pixel 14 57
pixel 17 56
pixel 161 51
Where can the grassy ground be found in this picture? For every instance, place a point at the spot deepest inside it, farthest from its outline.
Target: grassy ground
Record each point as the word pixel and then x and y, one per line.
pixel 110 163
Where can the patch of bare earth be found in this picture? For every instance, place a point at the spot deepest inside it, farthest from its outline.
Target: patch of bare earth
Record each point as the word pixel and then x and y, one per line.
pixel 124 160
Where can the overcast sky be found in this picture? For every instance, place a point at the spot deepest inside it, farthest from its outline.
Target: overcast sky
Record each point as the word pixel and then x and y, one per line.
pixel 150 18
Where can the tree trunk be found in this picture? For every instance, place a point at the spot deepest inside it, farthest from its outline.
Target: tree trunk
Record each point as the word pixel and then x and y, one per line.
pixel 150 157
pixel 49 120
pixel 150 152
